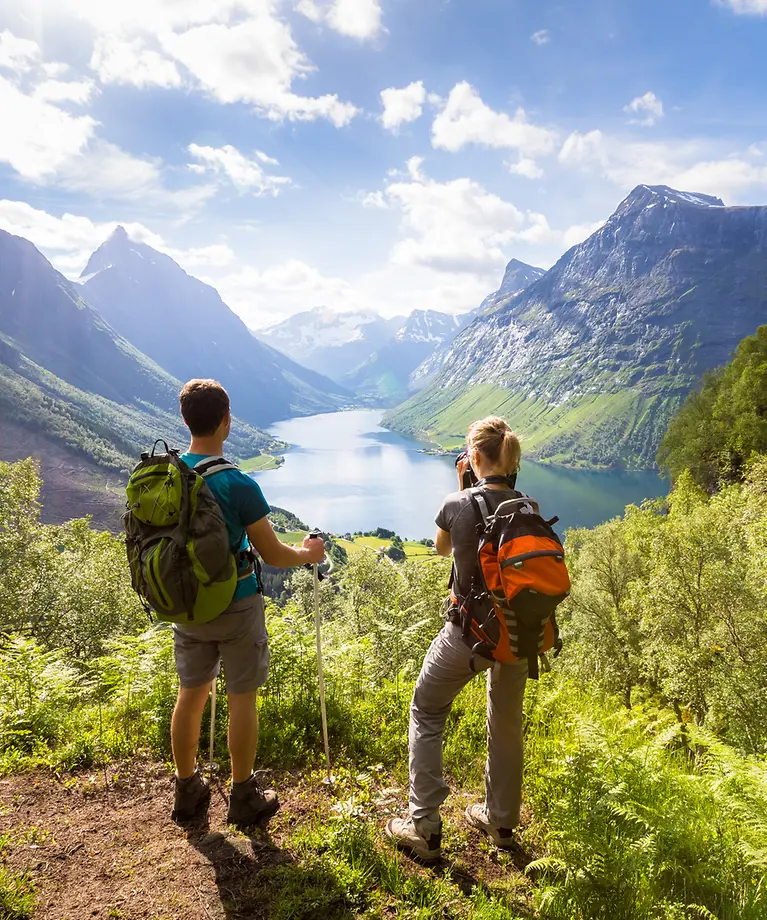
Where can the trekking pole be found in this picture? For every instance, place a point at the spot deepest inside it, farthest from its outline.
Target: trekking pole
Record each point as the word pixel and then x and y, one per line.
pixel 211 765
pixel 317 626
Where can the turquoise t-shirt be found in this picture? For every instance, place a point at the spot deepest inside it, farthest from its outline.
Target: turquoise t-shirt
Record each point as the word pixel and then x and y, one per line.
pixel 242 503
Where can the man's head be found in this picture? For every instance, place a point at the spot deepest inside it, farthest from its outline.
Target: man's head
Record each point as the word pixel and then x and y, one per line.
pixel 205 408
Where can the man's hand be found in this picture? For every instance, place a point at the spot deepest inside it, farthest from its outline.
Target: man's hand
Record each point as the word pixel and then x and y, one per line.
pixel 280 555
pixel 314 548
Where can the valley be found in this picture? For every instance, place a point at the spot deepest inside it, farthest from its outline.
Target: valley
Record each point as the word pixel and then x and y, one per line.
pixel 588 360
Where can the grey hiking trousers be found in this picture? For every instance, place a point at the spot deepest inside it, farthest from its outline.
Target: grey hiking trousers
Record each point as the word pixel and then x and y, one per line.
pixel 444 673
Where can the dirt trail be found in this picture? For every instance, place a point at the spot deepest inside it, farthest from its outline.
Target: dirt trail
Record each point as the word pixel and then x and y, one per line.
pixel 104 847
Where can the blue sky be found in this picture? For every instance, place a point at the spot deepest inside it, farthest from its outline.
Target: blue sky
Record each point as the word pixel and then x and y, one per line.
pixel 374 154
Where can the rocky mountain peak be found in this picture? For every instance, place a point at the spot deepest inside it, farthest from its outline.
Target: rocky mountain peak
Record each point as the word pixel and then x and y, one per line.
pixel 645 197
pixel 119 235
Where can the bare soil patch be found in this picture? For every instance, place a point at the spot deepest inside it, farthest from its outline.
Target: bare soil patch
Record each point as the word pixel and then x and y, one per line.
pixel 102 845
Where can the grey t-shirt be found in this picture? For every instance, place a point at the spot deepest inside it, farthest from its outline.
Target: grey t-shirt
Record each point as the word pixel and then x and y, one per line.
pixel 459 517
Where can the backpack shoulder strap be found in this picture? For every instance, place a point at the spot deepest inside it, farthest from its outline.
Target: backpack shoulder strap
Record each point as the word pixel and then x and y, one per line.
pixel 212 465
pixel 480 504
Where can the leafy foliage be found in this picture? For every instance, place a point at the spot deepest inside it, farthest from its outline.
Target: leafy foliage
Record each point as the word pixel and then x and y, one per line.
pixel 644 747
pixel 672 601
pixel 722 425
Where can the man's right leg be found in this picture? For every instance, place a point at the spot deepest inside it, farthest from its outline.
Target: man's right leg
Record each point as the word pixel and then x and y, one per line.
pixel 245 653
pixel 243 734
pixel 249 804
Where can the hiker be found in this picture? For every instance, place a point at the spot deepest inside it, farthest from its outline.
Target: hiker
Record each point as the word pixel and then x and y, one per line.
pixel 493 451
pixel 238 636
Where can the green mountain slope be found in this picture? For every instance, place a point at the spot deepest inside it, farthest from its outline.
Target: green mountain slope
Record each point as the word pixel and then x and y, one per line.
pixel 590 362
pixel 75 394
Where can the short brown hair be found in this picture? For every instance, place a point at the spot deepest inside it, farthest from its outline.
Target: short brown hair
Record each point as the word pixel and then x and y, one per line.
pixel 204 405
pixel 492 437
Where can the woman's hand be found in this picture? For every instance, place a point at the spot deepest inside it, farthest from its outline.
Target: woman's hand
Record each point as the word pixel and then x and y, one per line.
pixel 462 466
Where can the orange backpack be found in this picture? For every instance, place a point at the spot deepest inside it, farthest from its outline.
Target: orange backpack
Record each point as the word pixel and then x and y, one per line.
pixel 520 580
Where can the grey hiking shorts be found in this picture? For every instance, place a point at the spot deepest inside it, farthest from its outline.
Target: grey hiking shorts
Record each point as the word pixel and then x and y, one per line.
pixel 238 638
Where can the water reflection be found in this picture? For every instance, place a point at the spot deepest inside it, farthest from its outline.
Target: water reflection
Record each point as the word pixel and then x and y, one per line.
pixel 346 473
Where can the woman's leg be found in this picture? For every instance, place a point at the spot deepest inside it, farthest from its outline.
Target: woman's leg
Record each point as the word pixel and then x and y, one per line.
pixel 444 673
pixel 503 771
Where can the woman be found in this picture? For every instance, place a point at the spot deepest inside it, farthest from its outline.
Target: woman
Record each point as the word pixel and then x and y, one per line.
pixel 493 451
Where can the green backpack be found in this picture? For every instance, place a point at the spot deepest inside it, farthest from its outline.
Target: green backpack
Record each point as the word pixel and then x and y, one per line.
pixel 180 560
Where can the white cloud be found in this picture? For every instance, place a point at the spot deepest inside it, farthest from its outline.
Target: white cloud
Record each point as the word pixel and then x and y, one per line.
pixel 18 54
pixel 56 91
pixel 105 170
pixel 55 69
pixel 526 167
pixel 746 7
pixel 648 107
pixel 584 149
pixel 214 256
pixel 156 16
pixel 120 60
pixel 234 50
pixel 361 19
pixel 402 106
pixel 542 37
pixel 456 226
pixel 254 61
pixel 39 137
pixel 245 174
pixel 467 120
pixel 52 147
pixel 580 232
pixel 688 165
pixel 69 240
pixel 264 296
pixel 373 200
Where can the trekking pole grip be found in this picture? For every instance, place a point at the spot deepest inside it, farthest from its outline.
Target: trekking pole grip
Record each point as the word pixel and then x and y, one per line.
pixel 312 566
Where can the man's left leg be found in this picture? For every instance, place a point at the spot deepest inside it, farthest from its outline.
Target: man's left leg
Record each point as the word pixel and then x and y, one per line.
pixel 185 728
pixel 192 793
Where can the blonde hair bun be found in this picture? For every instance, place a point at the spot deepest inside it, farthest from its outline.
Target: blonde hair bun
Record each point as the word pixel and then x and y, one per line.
pixel 495 440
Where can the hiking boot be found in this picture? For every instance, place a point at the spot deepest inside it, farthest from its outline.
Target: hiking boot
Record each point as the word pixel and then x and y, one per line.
pixel 250 804
pixel 191 799
pixel 502 837
pixel 419 836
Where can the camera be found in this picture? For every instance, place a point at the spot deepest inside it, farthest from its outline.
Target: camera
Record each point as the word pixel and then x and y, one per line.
pixel 469 477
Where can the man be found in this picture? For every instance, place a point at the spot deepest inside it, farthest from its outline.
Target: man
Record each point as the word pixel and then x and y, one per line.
pixel 238 636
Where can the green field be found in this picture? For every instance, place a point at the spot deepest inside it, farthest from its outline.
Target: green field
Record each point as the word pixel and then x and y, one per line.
pixel 412 549
pixel 292 537
pixel 260 463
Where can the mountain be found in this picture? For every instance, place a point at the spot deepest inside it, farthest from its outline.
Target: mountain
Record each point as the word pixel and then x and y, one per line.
pixel 592 359
pixel 384 376
pixel 184 325
pixel 75 394
pixel 516 278
pixel 330 342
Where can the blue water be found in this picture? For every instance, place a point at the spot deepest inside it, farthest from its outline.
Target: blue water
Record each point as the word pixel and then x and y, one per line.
pixel 346 473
